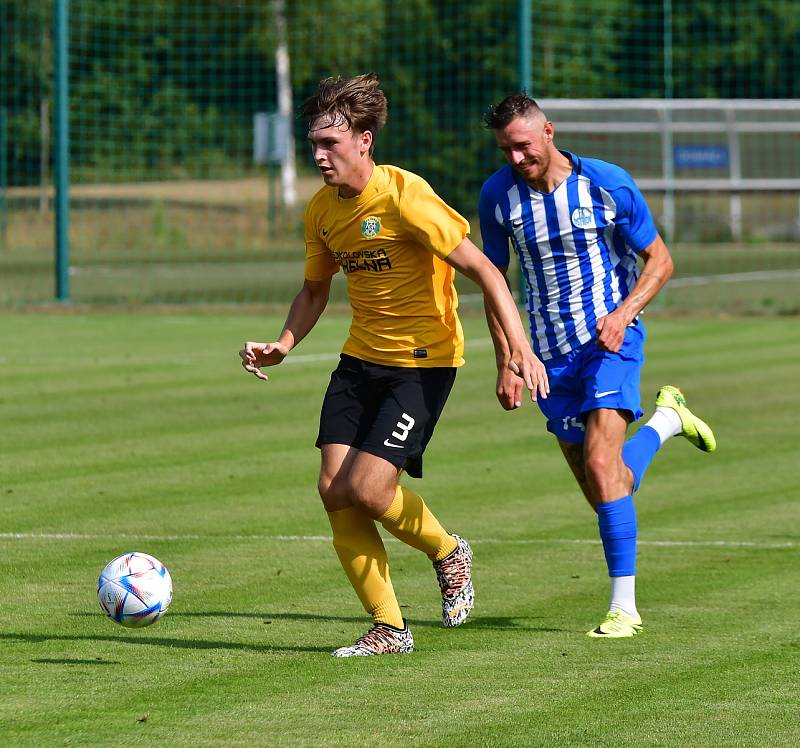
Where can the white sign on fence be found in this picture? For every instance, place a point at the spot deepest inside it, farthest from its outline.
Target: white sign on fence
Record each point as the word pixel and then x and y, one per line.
pixel 270 137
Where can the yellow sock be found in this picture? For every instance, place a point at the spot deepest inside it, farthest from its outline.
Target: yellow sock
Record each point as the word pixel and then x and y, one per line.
pixel 409 520
pixel 363 557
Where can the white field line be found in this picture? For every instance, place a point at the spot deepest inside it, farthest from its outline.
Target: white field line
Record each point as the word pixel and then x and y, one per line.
pixel 756 275
pixel 292 358
pixel 305 358
pixel 328 539
pixel 698 280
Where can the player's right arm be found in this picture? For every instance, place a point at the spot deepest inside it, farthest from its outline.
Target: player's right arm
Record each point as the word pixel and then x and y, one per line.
pixel 304 312
pixel 308 305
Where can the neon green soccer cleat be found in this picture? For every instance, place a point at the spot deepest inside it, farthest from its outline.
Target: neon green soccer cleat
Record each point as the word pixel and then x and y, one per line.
pixel 696 431
pixel 617 625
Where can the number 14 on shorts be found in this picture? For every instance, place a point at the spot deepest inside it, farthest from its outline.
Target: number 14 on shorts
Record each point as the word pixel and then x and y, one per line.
pixel 573 422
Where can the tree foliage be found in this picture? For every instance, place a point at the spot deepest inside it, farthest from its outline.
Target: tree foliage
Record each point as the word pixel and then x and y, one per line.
pixel 162 89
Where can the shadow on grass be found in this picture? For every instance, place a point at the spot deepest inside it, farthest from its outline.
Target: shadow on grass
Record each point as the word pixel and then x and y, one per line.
pixel 477 624
pixel 161 641
pixel 504 623
pixel 264 617
pixel 499 623
pixel 513 623
pixel 203 644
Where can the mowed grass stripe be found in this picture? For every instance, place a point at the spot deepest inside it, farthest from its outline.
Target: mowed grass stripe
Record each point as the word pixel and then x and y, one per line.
pixel 328 539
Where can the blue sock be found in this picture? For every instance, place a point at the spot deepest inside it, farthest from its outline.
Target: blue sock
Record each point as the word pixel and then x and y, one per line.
pixel 638 452
pixel 617 522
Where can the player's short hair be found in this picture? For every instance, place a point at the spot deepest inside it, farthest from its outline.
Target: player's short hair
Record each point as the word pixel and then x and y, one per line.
pixel 517 105
pixel 357 102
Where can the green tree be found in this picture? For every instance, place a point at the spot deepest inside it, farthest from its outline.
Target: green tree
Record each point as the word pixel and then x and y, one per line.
pixel 25 81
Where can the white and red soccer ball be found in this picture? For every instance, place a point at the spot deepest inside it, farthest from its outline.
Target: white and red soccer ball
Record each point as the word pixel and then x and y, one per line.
pixel 134 589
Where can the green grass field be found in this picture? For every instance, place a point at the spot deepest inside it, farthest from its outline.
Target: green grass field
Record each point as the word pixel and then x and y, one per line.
pixel 141 432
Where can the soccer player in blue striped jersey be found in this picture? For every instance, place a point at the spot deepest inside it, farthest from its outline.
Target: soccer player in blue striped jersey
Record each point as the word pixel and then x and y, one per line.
pixel 592 260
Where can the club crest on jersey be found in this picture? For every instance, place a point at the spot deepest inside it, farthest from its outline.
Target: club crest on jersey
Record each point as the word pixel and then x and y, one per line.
pixel 370 227
pixel 581 217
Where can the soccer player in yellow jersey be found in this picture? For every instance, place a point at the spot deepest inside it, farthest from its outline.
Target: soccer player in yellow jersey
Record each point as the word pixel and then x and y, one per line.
pixel 399 245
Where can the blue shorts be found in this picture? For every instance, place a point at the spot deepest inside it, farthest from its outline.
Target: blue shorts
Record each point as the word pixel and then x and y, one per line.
pixel 590 378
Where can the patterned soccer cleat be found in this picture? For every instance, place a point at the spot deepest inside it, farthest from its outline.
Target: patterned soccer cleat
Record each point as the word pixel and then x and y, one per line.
pixel 696 431
pixel 617 625
pixel 454 574
pixel 381 639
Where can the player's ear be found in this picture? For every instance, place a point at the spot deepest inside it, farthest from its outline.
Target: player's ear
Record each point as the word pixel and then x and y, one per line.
pixel 549 131
pixel 366 141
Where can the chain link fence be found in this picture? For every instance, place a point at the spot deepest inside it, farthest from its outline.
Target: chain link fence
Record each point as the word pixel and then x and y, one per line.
pixel 179 193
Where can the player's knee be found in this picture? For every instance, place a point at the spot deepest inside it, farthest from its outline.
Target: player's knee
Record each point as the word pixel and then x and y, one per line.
pixel 599 470
pixel 333 493
pixel 372 498
pixel 364 498
pixel 324 486
pixel 608 477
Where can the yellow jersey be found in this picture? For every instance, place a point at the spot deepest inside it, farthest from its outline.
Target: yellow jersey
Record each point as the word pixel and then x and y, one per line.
pixel 391 241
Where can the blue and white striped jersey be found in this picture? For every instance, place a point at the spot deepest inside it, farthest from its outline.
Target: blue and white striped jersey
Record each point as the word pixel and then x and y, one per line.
pixel 577 246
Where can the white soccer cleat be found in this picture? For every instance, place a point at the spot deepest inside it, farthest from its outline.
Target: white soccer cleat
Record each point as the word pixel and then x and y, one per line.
pixel 379 640
pixel 454 574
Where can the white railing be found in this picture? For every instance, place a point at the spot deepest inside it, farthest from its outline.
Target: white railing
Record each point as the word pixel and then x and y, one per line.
pixel 670 117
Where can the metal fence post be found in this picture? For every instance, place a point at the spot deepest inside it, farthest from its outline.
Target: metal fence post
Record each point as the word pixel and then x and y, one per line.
pixel 3 178
pixel 61 81
pixel 525 82
pixel 524 47
pixel 667 149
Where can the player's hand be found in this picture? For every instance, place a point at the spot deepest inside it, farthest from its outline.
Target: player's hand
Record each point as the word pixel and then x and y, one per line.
pixel 509 388
pixel 532 372
pixel 610 332
pixel 256 355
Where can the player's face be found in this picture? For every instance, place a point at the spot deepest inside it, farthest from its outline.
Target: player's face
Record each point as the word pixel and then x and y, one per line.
pixel 340 154
pixel 526 142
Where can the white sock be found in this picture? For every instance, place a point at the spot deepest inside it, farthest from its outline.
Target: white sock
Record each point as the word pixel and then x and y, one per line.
pixel 623 595
pixel 666 422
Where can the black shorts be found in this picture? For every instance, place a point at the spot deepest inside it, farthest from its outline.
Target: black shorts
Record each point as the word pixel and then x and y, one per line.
pixel 388 411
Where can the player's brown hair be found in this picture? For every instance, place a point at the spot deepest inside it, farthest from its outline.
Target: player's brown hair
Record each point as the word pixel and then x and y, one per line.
pixel 516 105
pixel 357 102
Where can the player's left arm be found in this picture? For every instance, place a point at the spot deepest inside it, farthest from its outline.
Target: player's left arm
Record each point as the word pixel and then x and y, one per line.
pixel 509 385
pixel 657 270
pixel 469 260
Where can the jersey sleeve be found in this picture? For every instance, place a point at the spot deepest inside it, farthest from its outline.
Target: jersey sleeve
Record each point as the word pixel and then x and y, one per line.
pixel 430 220
pixel 633 215
pixel 493 233
pixel 320 263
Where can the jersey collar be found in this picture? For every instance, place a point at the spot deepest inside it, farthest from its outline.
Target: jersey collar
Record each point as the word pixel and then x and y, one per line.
pixel 574 160
pixel 370 188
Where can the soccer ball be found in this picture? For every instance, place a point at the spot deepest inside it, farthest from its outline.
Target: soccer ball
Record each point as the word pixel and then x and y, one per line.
pixel 134 589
